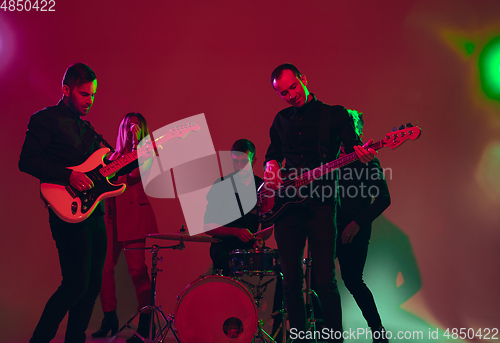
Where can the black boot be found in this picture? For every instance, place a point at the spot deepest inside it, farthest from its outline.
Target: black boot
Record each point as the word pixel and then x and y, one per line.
pixel 109 322
pixel 143 328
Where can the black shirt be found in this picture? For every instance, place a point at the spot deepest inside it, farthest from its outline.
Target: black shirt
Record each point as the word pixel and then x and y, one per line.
pixel 364 195
pixel 295 134
pixel 56 139
pixel 219 252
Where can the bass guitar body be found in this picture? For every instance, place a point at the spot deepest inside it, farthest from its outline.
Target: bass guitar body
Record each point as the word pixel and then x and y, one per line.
pixel 271 204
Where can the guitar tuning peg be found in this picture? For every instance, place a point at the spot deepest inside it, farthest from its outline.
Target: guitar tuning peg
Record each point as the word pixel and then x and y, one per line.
pixel 409 125
pixel 394 129
pixel 402 127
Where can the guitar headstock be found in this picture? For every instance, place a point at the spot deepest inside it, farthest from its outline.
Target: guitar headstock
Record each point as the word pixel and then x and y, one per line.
pixel 176 131
pixel 182 131
pixel 398 136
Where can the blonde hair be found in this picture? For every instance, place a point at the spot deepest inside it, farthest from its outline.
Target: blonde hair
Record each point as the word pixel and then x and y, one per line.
pixel 123 144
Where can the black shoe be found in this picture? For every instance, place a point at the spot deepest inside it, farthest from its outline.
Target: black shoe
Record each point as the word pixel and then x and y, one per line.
pixel 143 328
pixel 134 339
pixel 109 323
pixel 379 335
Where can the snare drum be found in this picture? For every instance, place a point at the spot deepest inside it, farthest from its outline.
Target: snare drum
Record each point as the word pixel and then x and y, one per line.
pixel 215 309
pixel 254 262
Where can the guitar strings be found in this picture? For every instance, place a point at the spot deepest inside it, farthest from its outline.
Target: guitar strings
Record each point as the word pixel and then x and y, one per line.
pixel 307 177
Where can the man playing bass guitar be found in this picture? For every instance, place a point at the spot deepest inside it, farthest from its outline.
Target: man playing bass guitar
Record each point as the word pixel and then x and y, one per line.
pixel 296 136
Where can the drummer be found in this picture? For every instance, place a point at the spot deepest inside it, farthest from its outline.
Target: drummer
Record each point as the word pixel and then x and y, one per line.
pixel 237 234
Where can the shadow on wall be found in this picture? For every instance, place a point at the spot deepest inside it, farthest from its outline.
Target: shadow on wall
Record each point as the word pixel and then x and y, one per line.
pixel 391 273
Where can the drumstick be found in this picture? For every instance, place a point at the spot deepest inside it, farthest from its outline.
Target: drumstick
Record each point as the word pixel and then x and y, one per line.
pixel 263 230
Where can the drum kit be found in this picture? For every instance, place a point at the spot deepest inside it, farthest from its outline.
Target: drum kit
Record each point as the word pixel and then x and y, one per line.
pixel 215 308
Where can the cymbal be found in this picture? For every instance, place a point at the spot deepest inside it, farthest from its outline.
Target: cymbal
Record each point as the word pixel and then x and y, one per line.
pixel 186 237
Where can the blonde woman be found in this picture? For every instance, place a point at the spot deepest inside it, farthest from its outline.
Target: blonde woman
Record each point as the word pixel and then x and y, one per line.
pixel 129 218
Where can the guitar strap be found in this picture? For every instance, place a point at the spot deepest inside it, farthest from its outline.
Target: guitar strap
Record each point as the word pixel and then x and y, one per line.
pixel 324 132
pixel 99 137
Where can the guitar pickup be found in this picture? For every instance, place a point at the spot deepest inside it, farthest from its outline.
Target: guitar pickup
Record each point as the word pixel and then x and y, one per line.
pixel 71 192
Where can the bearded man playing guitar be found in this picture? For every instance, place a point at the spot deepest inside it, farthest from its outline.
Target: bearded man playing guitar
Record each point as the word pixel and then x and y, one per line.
pixel 57 138
pixel 297 136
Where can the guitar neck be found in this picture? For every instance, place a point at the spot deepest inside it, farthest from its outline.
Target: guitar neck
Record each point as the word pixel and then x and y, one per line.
pixel 128 158
pixel 318 172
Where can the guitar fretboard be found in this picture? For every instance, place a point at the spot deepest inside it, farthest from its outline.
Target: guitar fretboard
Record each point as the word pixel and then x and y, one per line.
pixel 115 166
pixel 126 159
pixel 318 172
pixel 177 131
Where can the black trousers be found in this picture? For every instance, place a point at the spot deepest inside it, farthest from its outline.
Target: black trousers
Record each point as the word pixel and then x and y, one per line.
pixel 82 251
pixel 316 222
pixel 352 258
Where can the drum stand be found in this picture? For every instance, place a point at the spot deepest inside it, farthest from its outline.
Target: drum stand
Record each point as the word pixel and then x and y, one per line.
pixel 154 311
pixel 261 335
pixel 281 312
pixel 310 293
pixel 257 295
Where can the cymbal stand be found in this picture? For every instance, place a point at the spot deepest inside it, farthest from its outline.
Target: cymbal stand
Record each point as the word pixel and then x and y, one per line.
pixel 155 312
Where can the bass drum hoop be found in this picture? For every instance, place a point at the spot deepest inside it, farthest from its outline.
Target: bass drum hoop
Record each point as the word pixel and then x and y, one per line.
pixel 206 305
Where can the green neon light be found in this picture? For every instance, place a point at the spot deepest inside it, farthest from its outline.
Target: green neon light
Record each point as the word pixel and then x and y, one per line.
pixel 489 69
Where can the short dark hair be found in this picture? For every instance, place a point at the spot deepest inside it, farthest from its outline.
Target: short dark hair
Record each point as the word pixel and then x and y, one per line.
pixel 276 74
pixel 78 73
pixel 243 145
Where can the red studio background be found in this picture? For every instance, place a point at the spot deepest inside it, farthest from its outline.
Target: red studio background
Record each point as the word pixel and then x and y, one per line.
pixel 434 260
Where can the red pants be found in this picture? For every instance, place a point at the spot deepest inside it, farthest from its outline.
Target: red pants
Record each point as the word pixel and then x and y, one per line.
pixel 136 267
